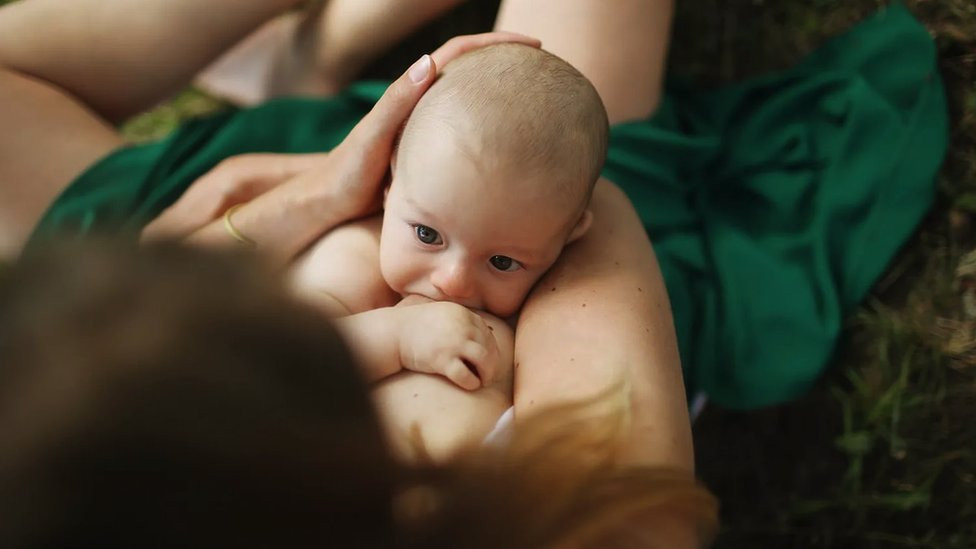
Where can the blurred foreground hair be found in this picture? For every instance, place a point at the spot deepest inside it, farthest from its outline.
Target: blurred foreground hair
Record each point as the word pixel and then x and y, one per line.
pixel 167 396
pixel 560 482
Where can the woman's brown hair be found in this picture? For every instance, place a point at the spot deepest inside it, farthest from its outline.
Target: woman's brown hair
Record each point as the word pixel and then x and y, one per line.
pixel 560 482
pixel 168 396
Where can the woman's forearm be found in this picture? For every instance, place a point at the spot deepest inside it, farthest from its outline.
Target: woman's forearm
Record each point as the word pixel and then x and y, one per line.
pixel 601 319
pixel 348 183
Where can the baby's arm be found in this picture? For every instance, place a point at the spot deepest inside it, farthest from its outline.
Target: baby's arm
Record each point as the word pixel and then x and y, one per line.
pixel 440 338
pixel 340 274
pixel 428 418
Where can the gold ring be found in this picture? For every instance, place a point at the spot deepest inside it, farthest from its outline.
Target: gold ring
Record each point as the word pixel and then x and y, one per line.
pixel 232 230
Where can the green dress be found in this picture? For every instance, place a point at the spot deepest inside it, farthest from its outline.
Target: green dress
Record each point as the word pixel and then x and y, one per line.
pixel 773 204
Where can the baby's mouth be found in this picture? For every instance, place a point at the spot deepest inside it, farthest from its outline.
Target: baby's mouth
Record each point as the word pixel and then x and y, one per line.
pixel 413 298
pixel 416 299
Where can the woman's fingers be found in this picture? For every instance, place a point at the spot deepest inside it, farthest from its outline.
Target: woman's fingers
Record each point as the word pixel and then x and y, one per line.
pixel 459 45
pixel 379 127
pixel 237 179
pixel 361 162
pixel 363 158
pixel 172 223
pixel 189 213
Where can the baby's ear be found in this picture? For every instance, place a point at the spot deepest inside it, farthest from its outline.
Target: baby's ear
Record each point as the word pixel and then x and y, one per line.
pixel 583 225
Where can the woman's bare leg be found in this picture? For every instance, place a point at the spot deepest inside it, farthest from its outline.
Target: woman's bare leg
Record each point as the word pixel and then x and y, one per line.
pixel 119 56
pixel 70 69
pixel 601 318
pixel 319 52
pixel 621 46
pixel 46 139
pixel 352 33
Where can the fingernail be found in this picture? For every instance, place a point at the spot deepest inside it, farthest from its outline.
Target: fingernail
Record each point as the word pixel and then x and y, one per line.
pixel 418 72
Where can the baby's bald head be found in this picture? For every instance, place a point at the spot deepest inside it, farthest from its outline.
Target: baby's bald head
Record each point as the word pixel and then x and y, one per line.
pixel 514 106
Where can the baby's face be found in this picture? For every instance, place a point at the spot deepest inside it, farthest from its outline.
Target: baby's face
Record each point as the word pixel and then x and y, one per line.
pixel 467 231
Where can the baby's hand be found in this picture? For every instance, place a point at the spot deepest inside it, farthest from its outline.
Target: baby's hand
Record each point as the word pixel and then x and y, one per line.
pixel 448 339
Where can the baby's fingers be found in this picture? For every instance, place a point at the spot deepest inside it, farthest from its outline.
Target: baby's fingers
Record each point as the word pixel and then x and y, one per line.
pixel 481 359
pixel 458 372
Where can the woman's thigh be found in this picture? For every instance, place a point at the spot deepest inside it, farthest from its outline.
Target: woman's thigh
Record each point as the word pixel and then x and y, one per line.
pixel 46 140
pixel 620 46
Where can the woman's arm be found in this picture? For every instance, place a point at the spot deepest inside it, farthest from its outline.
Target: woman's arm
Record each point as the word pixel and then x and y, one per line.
pixel 74 68
pixel 235 180
pixel 346 183
pixel 601 318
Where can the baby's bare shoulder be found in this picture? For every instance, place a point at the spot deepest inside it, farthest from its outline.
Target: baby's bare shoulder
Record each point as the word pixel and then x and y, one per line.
pixel 347 242
pixel 344 264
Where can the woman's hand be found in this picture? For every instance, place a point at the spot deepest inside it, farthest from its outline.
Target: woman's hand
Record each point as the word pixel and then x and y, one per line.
pixel 236 180
pixel 360 164
pixel 285 214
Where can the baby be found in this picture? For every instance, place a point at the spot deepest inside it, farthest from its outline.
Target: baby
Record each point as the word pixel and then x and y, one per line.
pixel 490 181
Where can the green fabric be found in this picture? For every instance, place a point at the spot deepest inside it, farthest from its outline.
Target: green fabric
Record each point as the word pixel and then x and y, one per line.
pixel 773 204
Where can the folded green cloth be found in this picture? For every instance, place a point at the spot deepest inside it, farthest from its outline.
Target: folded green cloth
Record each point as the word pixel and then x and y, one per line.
pixel 773 204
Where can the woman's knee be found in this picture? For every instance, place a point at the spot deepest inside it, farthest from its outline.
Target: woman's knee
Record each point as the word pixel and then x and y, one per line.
pixel 621 50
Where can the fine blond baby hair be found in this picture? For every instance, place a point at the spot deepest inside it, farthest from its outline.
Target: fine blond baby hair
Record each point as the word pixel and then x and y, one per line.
pixel 515 105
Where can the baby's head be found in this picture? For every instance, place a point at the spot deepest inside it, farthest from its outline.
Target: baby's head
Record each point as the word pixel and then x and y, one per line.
pixel 492 178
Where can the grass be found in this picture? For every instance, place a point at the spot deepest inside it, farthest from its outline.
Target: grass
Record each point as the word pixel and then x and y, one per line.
pixel 881 453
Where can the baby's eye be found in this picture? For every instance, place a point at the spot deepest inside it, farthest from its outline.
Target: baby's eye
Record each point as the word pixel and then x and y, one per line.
pixel 426 235
pixel 504 263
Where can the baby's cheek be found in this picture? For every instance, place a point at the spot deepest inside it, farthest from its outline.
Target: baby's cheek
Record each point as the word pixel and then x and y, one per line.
pixel 390 269
pixel 508 301
pixel 403 271
pixel 395 279
pixel 519 294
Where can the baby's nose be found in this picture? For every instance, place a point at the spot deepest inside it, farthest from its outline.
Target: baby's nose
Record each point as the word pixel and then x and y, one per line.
pixel 454 280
